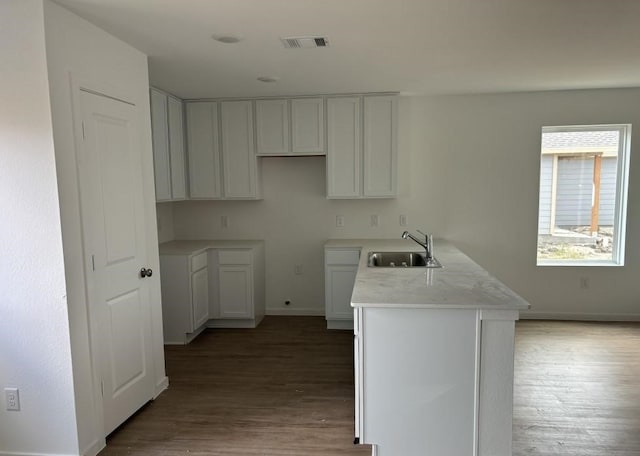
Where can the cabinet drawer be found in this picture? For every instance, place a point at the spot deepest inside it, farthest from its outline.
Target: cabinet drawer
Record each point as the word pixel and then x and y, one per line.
pixel 234 256
pixel 342 257
pixel 198 261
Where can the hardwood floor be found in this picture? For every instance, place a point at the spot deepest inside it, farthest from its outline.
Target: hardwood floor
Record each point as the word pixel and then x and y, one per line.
pixel 286 388
pixel 577 389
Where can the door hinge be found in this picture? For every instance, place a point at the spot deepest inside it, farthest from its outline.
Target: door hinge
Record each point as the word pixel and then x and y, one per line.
pixel 83 136
pixel 93 262
pixel 102 387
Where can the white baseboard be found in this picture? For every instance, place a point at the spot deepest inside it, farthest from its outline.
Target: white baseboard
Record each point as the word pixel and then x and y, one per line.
pixel 527 315
pixel 94 448
pixel 297 312
pixel 18 453
pixel 340 324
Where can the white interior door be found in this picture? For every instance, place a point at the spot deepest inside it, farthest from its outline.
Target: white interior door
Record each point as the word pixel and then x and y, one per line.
pixel 110 169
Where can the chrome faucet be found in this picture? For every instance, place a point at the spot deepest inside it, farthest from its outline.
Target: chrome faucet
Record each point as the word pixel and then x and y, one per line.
pixel 427 245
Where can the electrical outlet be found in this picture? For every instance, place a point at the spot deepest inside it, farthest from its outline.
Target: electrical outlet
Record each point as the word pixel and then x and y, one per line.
pixel 12 398
pixel 224 221
pixel 403 220
pixel 584 283
pixel 375 220
pixel 339 221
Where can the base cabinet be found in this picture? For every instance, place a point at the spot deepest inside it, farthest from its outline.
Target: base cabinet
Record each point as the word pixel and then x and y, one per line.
pixel 211 288
pixel 341 267
pixel 433 381
pixel 185 296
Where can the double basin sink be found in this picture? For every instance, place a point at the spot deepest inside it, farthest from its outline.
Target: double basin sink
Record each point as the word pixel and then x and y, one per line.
pixel 401 260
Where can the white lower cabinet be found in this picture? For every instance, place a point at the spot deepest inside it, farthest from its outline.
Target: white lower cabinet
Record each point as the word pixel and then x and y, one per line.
pixel 433 381
pixel 341 267
pixel 239 282
pixel 211 287
pixel 185 296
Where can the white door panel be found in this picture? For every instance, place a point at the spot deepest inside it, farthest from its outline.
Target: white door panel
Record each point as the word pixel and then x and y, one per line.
pixel 114 242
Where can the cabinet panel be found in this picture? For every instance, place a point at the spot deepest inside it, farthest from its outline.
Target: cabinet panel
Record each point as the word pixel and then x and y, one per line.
pixel 200 297
pixel 234 257
pixel 203 151
pixel 307 126
pixel 380 139
pixel 339 287
pixel 176 148
pixel 272 127
pixel 235 291
pixel 238 158
pixel 160 137
pixel 344 148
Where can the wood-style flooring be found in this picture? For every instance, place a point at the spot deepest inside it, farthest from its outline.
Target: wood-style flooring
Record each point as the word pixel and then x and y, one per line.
pixel 286 388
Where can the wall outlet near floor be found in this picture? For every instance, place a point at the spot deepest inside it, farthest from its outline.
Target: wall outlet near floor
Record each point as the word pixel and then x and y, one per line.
pixel 375 221
pixel 224 221
pixel 403 220
pixel 12 399
pixel 584 283
pixel 339 221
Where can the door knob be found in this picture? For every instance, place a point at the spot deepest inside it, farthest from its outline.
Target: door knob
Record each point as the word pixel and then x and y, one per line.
pixel 144 272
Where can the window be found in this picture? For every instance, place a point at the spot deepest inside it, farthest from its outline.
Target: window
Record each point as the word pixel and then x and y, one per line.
pixel 583 195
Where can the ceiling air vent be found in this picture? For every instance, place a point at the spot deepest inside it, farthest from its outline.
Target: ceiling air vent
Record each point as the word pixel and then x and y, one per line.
pixel 296 42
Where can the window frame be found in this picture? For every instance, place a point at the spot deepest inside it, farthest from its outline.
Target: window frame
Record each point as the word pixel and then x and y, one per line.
pixel 621 194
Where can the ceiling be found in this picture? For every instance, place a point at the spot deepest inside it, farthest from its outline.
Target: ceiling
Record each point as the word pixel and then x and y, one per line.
pixel 408 46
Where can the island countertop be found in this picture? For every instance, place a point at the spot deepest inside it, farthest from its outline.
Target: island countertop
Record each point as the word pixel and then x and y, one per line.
pixel 460 283
pixel 187 247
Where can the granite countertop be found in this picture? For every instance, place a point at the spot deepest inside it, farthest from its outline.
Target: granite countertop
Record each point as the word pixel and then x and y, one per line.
pixel 460 283
pixel 186 247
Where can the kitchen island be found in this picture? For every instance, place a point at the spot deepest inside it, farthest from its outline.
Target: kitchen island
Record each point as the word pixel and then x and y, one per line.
pixel 434 355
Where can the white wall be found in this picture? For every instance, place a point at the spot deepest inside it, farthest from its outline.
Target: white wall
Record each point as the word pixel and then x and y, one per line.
pixel 468 172
pixel 34 334
pixel 80 52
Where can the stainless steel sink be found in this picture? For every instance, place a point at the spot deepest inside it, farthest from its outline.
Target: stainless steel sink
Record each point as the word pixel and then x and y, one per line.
pixel 400 260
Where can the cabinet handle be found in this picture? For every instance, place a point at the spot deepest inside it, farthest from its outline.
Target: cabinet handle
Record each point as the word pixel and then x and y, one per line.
pixel 144 272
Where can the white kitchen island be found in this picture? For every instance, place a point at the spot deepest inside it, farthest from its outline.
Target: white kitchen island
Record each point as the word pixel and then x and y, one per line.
pixel 434 355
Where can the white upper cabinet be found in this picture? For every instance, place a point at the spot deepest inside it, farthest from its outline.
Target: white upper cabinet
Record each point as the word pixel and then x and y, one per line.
pixel 361 149
pixel 238 153
pixel 203 151
pixel 290 127
pixel 272 127
pixel 344 151
pixel 175 112
pixel 167 124
pixel 380 142
pixel 307 126
pixel 160 136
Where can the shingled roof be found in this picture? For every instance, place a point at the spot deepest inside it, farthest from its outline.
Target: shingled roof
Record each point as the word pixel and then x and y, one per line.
pixel 580 139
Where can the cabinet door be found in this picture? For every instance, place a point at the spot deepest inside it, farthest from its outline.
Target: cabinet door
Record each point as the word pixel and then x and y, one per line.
pixel 380 139
pixel 160 136
pixel 202 150
pixel 272 127
pixel 344 148
pixel 339 286
pixel 235 286
pixel 307 126
pixel 176 148
pixel 199 298
pixel 238 157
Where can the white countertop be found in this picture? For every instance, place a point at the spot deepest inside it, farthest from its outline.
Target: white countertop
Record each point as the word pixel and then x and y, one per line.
pixel 460 283
pixel 196 246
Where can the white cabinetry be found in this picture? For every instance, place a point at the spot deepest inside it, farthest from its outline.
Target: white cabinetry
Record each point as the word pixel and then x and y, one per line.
pixel 167 122
pixel 290 127
pixel 203 150
pixel 362 147
pixel 222 162
pixel 341 267
pixel 238 299
pixel 185 296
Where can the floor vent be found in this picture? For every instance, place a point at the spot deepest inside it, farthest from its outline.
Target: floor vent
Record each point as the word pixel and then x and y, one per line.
pixel 298 42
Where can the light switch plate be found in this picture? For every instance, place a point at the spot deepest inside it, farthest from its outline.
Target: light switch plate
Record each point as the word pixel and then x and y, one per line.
pixel 12 399
pixel 339 221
